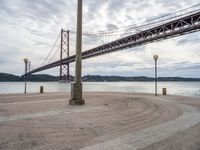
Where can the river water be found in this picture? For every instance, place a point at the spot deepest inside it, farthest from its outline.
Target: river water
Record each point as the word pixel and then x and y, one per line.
pixel 174 88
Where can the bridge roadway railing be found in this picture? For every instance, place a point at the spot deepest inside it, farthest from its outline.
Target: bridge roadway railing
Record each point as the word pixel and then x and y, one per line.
pixel 180 26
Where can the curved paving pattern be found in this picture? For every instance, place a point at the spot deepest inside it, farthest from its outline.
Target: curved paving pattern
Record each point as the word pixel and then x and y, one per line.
pixel 107 121
pixel 143 138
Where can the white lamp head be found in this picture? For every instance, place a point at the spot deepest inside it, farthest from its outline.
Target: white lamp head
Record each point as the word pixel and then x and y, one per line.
pixel 155 57
pixel 25 60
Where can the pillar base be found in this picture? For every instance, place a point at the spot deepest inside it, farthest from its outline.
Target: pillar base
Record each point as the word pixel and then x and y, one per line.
pixel 77 102
pixel 76 94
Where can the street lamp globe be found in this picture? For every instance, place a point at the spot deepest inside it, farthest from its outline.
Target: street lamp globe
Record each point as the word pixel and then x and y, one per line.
pixel 155 57
pixel 25 60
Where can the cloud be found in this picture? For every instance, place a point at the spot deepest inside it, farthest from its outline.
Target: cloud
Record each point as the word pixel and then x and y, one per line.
pixel 29 29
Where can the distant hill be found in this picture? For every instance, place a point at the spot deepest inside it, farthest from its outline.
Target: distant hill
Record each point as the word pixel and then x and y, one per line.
pixel 97 78
pixel 4 77
pixel 9 77
pixel 42 77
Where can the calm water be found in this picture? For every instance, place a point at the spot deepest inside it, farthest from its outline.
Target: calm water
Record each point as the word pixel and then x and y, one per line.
pixel 175 88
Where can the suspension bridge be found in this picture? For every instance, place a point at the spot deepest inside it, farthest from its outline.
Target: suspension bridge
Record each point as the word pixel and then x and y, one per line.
pixel 179 23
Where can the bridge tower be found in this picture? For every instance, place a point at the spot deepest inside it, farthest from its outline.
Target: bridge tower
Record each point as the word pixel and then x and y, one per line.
pixel 64 53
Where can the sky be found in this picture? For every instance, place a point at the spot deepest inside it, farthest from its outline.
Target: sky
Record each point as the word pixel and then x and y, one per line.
pixel 29 28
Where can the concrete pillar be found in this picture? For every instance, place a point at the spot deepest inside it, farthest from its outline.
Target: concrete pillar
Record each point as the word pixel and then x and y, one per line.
pixel 61 54
pixel 76 88
pixel 68 73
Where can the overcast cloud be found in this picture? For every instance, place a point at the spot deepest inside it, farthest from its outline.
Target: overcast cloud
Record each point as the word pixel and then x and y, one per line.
pixel 29 28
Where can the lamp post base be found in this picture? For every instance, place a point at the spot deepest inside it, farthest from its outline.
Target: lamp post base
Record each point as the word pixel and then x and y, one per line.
pixel 76 94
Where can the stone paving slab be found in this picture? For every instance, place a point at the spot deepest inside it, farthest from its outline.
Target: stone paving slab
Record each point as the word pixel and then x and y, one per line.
pixel 108 121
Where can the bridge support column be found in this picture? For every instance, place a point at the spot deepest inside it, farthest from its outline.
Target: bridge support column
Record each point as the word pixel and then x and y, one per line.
pixel 76 88
pixel 64 53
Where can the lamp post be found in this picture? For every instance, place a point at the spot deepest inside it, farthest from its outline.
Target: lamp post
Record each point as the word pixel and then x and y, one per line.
pixel 76 88
pixel 29 66
pixel 26 63
pixel 155 57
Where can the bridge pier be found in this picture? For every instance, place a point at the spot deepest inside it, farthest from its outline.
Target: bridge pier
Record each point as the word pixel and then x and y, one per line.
pixel 64 53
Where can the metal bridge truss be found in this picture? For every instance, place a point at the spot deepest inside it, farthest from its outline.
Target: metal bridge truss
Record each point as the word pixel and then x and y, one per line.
pixel 177 27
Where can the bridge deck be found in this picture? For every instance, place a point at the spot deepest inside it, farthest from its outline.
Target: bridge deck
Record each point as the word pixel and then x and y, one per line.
pixel 172 28
pixel 112 121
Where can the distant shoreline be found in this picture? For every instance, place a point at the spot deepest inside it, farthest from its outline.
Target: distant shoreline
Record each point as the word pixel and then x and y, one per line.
pixel 94 81
pixel 5 77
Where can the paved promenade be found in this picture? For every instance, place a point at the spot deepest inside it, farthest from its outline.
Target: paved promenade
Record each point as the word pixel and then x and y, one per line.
pixel 108 121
